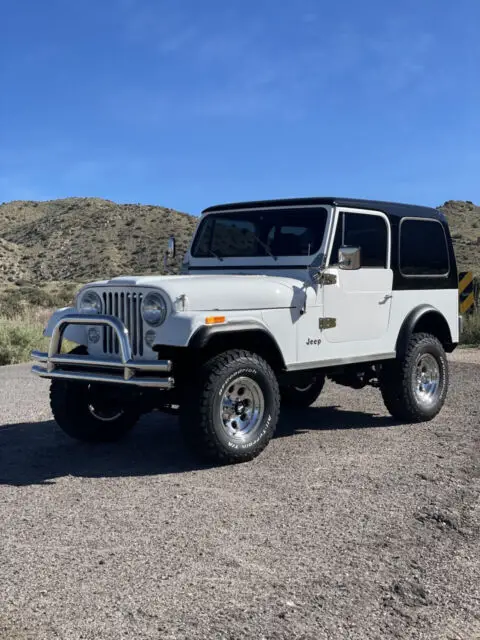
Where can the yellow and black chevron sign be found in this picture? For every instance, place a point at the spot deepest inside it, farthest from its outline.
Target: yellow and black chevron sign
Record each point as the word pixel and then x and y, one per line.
pixel 465 291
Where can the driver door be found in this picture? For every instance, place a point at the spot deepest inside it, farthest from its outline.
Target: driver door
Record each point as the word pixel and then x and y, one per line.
pixel 358 304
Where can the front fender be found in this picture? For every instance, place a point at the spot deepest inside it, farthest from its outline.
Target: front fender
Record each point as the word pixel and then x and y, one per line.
pixel 204 333
pixel 246 333
pixel 74 333
pixel 179 328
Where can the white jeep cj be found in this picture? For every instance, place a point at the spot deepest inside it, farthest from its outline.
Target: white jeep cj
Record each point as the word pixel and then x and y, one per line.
pixel 274 296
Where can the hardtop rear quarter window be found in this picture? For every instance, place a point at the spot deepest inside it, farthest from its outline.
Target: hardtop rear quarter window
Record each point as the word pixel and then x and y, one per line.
pixel 423 249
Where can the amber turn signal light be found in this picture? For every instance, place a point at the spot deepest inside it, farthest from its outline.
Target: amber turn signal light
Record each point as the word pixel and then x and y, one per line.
pixel 214 319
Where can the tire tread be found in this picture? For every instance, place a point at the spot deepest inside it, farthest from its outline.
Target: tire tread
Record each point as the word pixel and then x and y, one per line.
pixel 195 419
pixel 395 384
pixel 76 421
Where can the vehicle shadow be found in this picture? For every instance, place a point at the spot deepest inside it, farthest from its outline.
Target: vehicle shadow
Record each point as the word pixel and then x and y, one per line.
pixel 38 453
pixel 332 418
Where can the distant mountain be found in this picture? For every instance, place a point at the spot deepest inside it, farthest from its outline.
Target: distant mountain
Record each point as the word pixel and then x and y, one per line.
pixel 82 239
pixel 464 220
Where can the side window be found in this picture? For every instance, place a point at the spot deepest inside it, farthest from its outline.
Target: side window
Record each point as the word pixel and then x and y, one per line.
pixel 366 231
pixel 423 248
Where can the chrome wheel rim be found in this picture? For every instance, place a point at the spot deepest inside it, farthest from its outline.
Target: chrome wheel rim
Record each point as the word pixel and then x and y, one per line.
pixel 105 414
pixel 307 387
pixel 102 408
pixel 241 408
pixel 427 379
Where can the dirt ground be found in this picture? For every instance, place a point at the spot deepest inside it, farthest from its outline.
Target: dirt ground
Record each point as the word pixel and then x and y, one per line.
pixel 349 526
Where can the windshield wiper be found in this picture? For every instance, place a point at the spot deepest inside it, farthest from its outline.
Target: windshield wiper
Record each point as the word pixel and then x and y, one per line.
pixel 264 246
pixel 215 255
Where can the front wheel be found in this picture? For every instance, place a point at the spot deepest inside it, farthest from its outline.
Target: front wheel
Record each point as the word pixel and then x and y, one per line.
pixel 91 412
pixel 414 388
pixel 231 412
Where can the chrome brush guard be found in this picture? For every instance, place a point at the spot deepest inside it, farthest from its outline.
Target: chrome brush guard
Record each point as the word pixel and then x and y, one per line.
pixel 124 370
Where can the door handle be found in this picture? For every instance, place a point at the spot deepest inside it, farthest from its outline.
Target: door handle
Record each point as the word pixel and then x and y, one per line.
pixel 385 299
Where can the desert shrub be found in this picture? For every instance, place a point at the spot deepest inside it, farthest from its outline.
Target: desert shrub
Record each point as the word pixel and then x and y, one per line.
pixel 64 295
pixel 11 304
pixel 14 302
pixel 18 337
pixel 471 331
pixel 21 334
pixel 36 296
pixel 17 301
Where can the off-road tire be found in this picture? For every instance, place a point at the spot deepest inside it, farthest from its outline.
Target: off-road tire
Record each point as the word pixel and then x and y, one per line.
pixel 69 401
pixel 200 410
pixel 398 378
pixel 302 397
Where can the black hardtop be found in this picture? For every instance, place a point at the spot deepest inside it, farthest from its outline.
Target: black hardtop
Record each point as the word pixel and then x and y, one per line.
pixel 393 209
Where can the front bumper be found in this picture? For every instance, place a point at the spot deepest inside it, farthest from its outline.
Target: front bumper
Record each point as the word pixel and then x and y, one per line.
pixel 126 371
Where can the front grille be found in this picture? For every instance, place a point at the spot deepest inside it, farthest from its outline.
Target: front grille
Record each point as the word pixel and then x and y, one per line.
pixel 127 306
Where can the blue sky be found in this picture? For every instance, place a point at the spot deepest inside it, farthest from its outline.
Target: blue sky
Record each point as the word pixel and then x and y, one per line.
pixel 187 103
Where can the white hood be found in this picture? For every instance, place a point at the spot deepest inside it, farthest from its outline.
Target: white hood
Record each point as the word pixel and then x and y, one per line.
pixel 222 291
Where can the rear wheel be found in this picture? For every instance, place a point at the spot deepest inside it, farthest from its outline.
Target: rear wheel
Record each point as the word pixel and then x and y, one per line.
pixel 303 394
pixel 414 388
pixel 231 413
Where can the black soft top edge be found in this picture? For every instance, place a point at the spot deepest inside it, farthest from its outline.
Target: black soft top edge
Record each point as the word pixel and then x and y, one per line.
pixel 390 208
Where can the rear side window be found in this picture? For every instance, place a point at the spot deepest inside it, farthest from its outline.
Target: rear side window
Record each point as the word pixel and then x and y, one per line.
pixel 423 248
pixel 366 231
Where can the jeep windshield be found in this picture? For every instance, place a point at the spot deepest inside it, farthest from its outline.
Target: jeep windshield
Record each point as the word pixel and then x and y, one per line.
pixel 260 233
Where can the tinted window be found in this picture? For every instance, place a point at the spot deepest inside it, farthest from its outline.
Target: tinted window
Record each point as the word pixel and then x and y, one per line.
pixel 292 232
pixel 230 237
pixel 338 240
pixel 366 231
pixel 423 248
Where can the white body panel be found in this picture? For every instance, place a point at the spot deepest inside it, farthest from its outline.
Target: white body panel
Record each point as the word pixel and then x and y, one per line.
pixel 76 334
pixel 317 347
pixel 360 302
pixel 443 300
pixel 219 291
pixel 281 297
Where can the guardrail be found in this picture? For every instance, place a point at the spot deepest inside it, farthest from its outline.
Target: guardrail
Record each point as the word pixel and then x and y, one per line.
pixel 466 292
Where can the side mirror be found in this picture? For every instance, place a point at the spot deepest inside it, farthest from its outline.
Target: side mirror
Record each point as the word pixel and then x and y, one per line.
pixel 171 249
pixel 350 258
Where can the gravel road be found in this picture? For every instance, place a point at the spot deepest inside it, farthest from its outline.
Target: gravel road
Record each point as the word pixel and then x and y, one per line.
pixel 348 526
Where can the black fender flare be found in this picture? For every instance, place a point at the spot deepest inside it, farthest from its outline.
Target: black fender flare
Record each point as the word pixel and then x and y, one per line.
pixel 411 322
pixel 203 335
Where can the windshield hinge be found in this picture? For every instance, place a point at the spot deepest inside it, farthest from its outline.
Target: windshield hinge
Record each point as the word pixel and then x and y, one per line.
pixel 327 278
pixel 327 323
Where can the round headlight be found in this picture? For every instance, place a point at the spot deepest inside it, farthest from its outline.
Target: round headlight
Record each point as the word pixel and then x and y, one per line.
pixel 90 302
pixel 154 309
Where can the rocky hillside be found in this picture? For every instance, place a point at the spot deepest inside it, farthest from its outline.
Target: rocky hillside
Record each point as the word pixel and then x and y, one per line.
pixel 464 220
pixel 80 239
